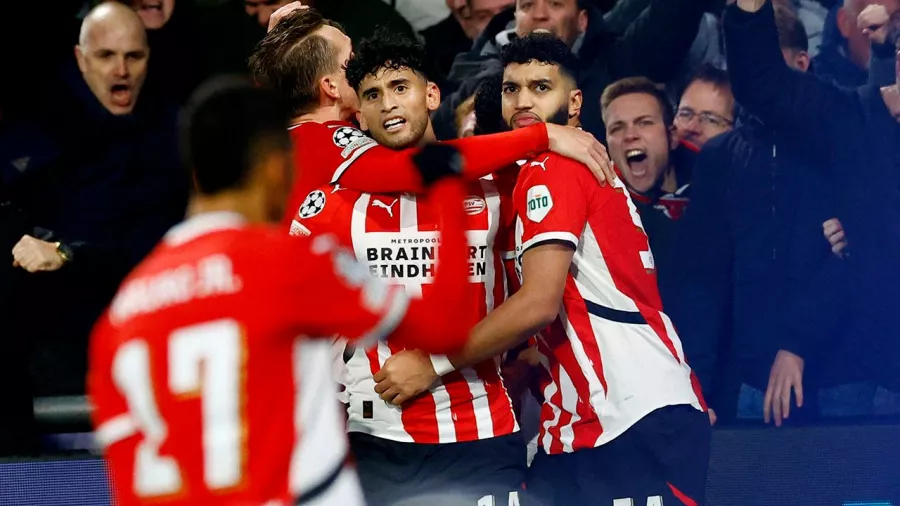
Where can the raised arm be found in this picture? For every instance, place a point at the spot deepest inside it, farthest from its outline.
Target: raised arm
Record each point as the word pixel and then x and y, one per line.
pixel 763 83
pixel 657 41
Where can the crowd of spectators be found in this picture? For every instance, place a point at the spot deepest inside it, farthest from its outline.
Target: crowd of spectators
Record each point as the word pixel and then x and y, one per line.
pixel 766 175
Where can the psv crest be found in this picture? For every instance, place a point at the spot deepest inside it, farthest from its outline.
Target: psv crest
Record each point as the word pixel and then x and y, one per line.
pixel 313 204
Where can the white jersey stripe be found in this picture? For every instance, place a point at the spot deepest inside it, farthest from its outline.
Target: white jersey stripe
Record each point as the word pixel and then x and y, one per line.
pixel 483 419
pixel 493 206
pixel 570 404
pixel 446 428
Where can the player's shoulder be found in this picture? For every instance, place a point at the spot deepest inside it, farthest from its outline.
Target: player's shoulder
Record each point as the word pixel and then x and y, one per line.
pixel 339 134
pixel 554 164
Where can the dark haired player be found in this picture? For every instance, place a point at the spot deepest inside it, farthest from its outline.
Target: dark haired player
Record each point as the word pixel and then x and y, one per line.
pixel 458 442
pixel 622 421
pixel 211 377
pixel 303 58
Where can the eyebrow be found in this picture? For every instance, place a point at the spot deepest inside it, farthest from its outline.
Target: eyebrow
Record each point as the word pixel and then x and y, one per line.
pixel 391 84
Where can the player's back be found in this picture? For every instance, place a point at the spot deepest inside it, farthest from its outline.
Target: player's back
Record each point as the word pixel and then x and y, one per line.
pixel 220 373
pixel 611 343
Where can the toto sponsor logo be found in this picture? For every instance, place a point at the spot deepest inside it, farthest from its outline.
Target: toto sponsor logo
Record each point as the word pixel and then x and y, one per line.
pixel 474 205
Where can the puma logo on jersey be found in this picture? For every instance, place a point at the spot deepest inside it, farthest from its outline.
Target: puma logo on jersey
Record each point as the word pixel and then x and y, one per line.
pixel 540 164
pixel 386 207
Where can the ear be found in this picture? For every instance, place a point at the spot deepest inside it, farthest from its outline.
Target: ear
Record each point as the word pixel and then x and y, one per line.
pixel 844 22
pixel 328 86
pixel 362 122
pixel 802 59
pixel 673 138
pixel 432 96
pixel 79 57
pixel 583 21
pixel 576 100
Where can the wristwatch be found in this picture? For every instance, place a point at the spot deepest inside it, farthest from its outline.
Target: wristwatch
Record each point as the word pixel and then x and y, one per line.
pixel 63 251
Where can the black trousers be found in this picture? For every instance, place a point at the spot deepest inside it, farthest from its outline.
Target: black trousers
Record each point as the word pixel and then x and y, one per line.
pixel 472 473
pixel 661 460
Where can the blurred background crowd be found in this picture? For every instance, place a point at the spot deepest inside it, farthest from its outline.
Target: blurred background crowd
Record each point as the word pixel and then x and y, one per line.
pixel 768 186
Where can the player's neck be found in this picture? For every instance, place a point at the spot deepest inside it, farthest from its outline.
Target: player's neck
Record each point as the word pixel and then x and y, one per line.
pixel 232 202
pixel 428 137
pixel 321 115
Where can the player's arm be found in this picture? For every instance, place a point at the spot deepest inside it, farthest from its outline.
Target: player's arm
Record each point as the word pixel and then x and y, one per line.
pixel 359 306
pixel 535 306
pixel 382 170
pixel 553 214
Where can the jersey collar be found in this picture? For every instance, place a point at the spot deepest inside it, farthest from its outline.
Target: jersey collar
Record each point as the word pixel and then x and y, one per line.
pixel 202 224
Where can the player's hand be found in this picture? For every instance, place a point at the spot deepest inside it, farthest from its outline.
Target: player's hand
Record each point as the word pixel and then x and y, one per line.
pixel 874 23
pixel 35 255
pixel 712 416
pixel 834 233
pixel 786 375
pixel 282 12
pixel 583 147
pixel 404 376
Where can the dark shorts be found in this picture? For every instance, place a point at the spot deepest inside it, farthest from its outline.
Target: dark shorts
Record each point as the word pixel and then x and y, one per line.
pixel 475 473
pixel 661 460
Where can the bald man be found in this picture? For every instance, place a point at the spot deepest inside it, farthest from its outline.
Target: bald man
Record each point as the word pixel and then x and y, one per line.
pixel 112 55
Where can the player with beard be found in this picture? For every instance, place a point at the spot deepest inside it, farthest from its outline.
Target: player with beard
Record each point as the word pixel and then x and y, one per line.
pixel 303 58
pixel 458 442
pixel 623 418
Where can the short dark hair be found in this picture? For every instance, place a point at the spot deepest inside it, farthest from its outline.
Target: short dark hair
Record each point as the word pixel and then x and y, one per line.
pixel 541 47
pixel 791 32
pixel 488 105
pixel 638 85
pixel 226 127
pixel 386 50
pixel 290 59
pixel 709 73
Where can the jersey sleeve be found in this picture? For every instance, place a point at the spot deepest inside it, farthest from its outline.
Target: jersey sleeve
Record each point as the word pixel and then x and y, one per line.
pixel 553 198
pixel 333 153
pixel 316 213
pixel 331 293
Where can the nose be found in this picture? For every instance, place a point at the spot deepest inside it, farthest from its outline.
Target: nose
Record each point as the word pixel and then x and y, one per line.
pixel 539 11
pixel 631 133
pixel 523 101
pixel 388 103
pixel 121 68
pixel 262 16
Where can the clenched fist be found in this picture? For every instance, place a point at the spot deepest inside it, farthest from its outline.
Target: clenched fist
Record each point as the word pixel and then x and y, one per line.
pixel 35 255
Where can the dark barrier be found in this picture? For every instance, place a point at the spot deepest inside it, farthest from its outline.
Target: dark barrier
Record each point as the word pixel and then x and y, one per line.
pixel 822 466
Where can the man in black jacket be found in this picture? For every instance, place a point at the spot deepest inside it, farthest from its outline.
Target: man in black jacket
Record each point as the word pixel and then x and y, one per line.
pixel 852 136
pixel 99 182
pixel 653 46
pixel 656 167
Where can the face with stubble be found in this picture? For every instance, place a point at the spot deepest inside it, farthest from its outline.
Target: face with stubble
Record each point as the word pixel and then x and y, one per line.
pixel 537 92
pixel 395 107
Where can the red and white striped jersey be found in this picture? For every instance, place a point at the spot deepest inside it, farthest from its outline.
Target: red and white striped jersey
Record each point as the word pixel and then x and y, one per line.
pixel 612 354
pixel 210 377
pixel 397 236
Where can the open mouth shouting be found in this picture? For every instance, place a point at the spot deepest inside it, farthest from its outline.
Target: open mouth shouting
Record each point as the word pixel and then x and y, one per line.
pixel 154 13
pixel 637 161
pixel 121 95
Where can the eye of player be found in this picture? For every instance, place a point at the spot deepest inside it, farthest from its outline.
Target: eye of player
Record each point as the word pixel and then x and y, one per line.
pixel 509 88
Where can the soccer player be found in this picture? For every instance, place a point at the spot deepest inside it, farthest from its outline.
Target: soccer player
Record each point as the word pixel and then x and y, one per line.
pixel 210 372
pixel 622 418
pixel 303 59
pixel 459 441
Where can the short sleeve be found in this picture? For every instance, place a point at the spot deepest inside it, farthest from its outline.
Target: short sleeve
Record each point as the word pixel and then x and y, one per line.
pixel 552 201
pixel 332 293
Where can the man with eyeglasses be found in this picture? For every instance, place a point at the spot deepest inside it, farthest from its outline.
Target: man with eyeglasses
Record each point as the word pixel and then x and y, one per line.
pixel 706 108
